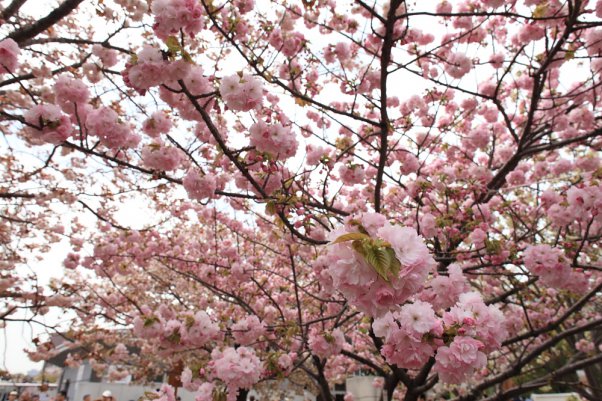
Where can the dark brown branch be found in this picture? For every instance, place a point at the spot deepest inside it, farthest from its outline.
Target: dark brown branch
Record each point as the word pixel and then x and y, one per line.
pixel 10 195
pixel 12 9
pixel 31 31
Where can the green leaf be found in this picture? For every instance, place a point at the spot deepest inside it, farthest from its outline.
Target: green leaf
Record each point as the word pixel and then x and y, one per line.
pixel 149 321
pixel 541 10
pixel 186 56
pixel 394 265
pixel 350 237
pixel 270 208
pixel 173 44
pixel 382 264
pixel 377 253
pixel 358 246
pixel 358 224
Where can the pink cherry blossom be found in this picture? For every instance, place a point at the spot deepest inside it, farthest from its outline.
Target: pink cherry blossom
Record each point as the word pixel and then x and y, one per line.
pixel 173 15
pixel 460 360
pixel 199 186
pixel 274 139
pixel 48 124
pixel 237 368
pixel 248 330
pixel 158 156
pixel 9 54
pixel 71 94
pixel 548 263
pixel 157 124
pixel 457 65
pixel 104 123
pixel 324 344
pixel 241 93
pixel 106 55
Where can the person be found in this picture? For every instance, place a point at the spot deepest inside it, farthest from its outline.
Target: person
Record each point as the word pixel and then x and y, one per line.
pixel 107 396
pixel 44 392
pixel 87 397
pixel 12 396
pixel 61 396
pixel 25 396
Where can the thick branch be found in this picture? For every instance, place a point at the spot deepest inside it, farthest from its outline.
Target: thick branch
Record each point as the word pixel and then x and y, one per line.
pixel 31 31
pixel 12 9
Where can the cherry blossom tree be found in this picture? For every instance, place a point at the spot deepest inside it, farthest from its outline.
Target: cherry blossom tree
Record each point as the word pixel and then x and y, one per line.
pixel 408 188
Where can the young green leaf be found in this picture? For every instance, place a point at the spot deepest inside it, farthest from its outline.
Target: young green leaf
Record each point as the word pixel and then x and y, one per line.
pixel 350 237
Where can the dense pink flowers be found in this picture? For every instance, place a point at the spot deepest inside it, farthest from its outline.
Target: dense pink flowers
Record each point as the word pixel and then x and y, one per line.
pixel 457 65
pixel 157 156
pixel 51 125
pixel 444 291
pixel 107 56
pixel 196 83
pixel 351 173
pixel 189 330
pixel 289 43
pixel 237 368
pixel 166 393
pixel 173 15
pixel 205 392
pixel 324 344
pixel 459 338
pixel 358 281
pixel 200 329
pixel 149 69
pixel 248 330
pixel 71 94
pixel 199 186
pixel 9 53
pixel 241 93
pixel 548 263
pixel 456 362
pixel 403 333
pixel 472 317
pixel 157 124
pixel 104 123
pixel 275 139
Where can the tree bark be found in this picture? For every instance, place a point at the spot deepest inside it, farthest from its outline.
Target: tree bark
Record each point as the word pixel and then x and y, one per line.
pixel 41 25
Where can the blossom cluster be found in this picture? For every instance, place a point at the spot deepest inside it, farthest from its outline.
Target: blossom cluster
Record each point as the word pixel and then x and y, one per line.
pixel 349 272
pixel 553 268
pixel 176 331
pixel 9 53
pixel 241 93
pixel 581 204
pixel 107 56
pixel 444 290
pixel 104 123
pixel 248 330
pixel 275 139
pixel 173 15
pixel 458 339
pixel 237 368
pixel 72 95
pixel 149 69
pixel 157 156
pixel 195 83
pixel 325 344
pixel 48 124
pixel 158 123
pixel 199 186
